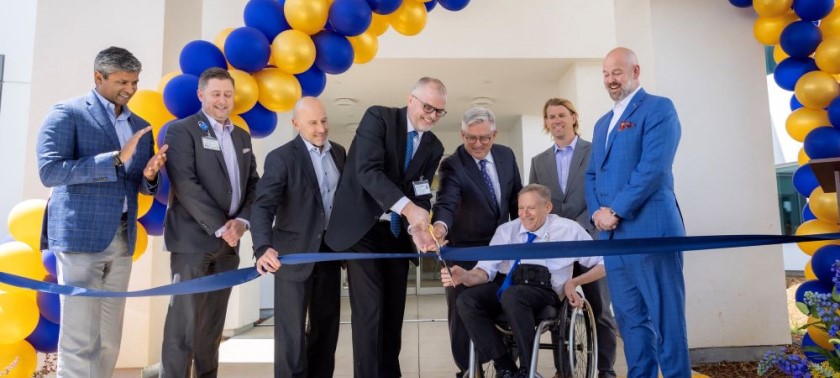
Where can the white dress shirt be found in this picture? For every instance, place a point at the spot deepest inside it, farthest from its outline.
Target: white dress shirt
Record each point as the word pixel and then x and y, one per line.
pixel 400 204
pixel 618 111
pixel 494 176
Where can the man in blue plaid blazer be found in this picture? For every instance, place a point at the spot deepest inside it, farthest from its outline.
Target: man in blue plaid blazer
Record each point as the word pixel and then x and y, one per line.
pixel 96 155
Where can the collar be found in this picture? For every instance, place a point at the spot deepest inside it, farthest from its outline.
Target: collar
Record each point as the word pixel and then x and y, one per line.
pixel 542 232
pixel 410 128
pixel 570 146
pixel 112 109
pixel 489 158
pixel 310 146
pixel 623 103
pixel 217 127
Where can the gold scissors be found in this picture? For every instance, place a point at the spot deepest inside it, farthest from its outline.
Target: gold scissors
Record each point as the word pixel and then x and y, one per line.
pixel 437 251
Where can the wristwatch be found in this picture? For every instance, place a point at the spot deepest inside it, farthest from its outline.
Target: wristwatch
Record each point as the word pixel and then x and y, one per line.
pixel 117 162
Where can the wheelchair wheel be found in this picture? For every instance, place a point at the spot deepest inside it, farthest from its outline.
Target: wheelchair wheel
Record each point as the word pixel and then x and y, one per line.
pixel 582 342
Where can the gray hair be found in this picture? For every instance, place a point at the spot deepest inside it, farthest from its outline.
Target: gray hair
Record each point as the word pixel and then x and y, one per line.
pixel 543 191
pixel 478 115
pixel 115 59
pixel 429 81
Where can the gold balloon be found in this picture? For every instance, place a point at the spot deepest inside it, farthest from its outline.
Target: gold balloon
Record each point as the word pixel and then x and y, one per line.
pixel 144 204
pixel 240 122
pixel 813 227
pixel 293 51
pixel 278 90
pixel 802 158
pixel 828 55
pixel 819 336
pixel 246 91
pixel 767 30
pixel 809 271
pixel 165 80
pixel 816 89
pixel 20 259
pixel 378 24
pixel 149 106
pixel 142 242
pixel 22 356
pixel 779 54
pixel 409 19
pixel 25 222
pixel 801 121
pixel 772 8
pixel 365 46
pixel 824 205
pixel 830 25
pixel 220 39
pixel 18 317
pixel 308 16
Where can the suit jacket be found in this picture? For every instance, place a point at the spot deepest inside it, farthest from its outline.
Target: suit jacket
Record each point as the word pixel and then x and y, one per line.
pixel 200 192
pixel 464 202
pixel 289 196
pixel 75 157
pixel 570 204
pixel 374 180
pixel 632 175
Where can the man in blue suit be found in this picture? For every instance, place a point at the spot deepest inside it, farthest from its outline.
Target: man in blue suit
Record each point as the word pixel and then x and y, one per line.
pixel 96 155
pixel 630 194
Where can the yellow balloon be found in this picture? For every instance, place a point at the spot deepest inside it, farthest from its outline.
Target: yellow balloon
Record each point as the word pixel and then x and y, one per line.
pixel 801 121
pixel 779 54
pixel 25 222
pixel 220 39
pixel 824 205
pixel 409 19
pixel 813 227
pixel 772 8
pixel 165 80
pixel 21 260
pixel 378 24
pixel 809 271
pixel 365 46
pixel 149 106
pixel 278 90
pixel 246 91
pixel 293 51
pixel 816 89
pixel 308 16
pixel 802 158
pixel 830 25
pixel 819 336
pixel 828 55
pixel 767 30
pixel 18 317
pixel 240 122
pixel 144 204
pixel 19 358
pixel 142 242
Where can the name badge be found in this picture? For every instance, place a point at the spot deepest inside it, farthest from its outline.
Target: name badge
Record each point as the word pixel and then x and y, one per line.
pixel 421 187
pixel 211 143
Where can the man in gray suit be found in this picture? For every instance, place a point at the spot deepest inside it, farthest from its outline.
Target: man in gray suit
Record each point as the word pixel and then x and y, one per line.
pixel 213 177
pixel 561 168
pixel 290 215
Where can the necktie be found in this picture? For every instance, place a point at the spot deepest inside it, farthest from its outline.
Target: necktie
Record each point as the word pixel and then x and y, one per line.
pixel 489 183
pixel 509 278
pixel 409 151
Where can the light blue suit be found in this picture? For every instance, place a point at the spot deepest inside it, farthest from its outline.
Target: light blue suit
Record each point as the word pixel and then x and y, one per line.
pixel 632 175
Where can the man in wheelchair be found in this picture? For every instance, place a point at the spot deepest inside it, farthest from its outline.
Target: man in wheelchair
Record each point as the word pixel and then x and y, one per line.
pixel 520 289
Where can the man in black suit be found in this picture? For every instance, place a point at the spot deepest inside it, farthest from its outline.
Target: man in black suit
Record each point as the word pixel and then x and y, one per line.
pixel 385 188
pixel 213 177
pixel 295 194
pixel 479 187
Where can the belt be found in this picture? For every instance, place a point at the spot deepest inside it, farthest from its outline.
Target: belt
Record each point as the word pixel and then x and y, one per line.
pixel 124 217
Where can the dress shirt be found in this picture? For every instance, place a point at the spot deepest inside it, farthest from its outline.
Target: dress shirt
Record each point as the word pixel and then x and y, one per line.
pixel 122 127
pixel 223 135
pixel 555 228
pixel 563 158
pixel 400 204
pixel 494 175
pixel 327 173
pixel 618 111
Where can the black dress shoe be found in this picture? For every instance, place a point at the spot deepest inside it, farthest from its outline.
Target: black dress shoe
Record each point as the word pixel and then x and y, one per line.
pixel 504 373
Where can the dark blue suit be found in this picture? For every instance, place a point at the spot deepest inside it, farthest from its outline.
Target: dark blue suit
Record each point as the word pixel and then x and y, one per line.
pixel 630 172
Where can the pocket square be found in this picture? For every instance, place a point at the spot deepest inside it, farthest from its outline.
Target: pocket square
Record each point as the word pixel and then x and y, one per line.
pixel 625 125
pixel 246 150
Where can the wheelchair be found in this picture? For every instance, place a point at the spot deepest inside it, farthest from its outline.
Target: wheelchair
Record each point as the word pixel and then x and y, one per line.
pixel 574 328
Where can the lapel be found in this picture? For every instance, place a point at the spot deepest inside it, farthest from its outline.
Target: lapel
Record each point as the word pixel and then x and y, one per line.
pixel 631 108
pixel 474 173
pixel 576 167
pixel 99 113
pixel 219 157
pixel 419 158
pixel 241 161
pixel 305 161
pixel 338 159
pixel 553 181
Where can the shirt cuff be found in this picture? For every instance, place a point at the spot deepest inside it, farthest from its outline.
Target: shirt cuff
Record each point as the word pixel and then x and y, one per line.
pixel 445 227
pixel 221 231
pixel 247 224
pixel 398 207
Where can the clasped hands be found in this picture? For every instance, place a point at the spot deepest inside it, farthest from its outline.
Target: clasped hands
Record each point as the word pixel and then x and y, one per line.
pixel 605 219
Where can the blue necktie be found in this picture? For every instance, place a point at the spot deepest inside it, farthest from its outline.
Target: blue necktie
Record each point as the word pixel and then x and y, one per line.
pixel 489 183
pixel 409 151
pixel 509 278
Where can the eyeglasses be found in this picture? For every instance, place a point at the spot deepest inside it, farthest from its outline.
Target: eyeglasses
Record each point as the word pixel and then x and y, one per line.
pixel 472 138
pixel 428 109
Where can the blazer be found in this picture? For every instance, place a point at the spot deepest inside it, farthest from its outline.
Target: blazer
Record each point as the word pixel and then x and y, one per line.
pixel 632 174
pixel 570 204
pixel 374 178
pixel 464 202
pixel 200 191
pixel 288 212
pixel 75 149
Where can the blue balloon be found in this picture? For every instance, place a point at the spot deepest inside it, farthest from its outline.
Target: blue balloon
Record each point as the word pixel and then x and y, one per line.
pixel 788 71
pixel 247 49
pixel 48 258
pixel 430 5
pixel 815 286
pixel 834 112
pixel 50 306
pixel 350 17
pixel 198 56
pixel 384 6
pixel 822 261
pixel 266 16
pixel 812 10
pixel 334 53
pixel 741 3
pixel 180 95
pixel 807 214
pixel 45 336
pixel 453 5
pixel 312 81
pixel 153 220
pixel 794 103
pixel 800 39
pixel 804 180
pixel 160 138
pixel 261 121
pixel 823 142
pixel 162 194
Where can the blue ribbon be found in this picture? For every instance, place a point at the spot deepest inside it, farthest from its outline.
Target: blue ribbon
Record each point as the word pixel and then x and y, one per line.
pixel 500 252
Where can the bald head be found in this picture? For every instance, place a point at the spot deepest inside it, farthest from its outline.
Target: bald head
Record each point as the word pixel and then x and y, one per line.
pixel 621 73
pixel 310 119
